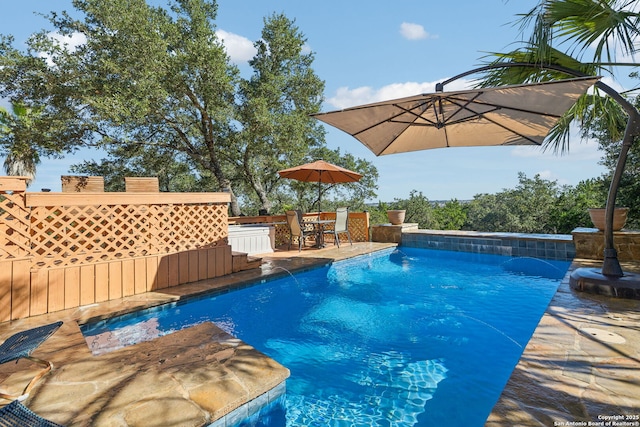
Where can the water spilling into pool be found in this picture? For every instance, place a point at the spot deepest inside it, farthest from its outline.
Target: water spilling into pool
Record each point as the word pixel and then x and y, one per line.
pixel 410 337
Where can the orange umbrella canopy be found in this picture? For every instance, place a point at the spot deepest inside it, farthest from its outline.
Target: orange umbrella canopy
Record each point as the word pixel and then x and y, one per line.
pixel 320 171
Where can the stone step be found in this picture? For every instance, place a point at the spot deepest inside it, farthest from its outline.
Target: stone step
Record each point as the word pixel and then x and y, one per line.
pixel 242 261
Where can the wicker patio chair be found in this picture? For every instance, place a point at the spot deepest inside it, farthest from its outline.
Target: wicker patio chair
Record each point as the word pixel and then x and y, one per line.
pixel 15 414
pixel 20 346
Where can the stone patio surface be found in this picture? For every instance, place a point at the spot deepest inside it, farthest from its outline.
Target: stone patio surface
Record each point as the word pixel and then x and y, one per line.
pixel 581 366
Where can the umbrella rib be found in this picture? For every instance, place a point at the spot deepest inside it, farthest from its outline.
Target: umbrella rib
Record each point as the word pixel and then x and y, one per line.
pixel 403 110
pixel 464 105
pixel 423 106
pixel 534 142
pixel 440 124
pixel 496 108
pixel 460 108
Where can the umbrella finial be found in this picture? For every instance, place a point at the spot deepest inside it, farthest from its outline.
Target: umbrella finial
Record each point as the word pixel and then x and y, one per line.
pixel 439 87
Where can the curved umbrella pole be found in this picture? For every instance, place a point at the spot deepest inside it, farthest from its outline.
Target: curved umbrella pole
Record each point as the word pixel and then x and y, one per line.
pixel 611 265
pixel 610 280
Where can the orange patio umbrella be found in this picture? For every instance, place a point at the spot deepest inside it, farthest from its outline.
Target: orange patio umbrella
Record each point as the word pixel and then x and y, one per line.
pixel 320 172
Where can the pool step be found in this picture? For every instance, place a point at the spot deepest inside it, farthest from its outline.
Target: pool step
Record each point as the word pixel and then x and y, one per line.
pixel 242 261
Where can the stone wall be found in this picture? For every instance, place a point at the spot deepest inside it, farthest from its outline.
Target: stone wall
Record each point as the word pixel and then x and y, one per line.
pixel 589 243
pixel 388 233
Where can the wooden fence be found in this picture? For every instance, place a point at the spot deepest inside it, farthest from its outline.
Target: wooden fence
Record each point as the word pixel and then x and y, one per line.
pixel 65 250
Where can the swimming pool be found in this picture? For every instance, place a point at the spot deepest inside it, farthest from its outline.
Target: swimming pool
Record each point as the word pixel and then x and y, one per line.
pixel 408 337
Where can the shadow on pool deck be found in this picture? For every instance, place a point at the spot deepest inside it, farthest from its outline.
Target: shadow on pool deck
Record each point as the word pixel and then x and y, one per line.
pixel 583 361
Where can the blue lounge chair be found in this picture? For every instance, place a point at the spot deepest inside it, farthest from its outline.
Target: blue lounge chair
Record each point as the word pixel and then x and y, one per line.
pixel 16 414
pixel 20 346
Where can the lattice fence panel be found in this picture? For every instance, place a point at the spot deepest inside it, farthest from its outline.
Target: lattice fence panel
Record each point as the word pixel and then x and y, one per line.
pixel 358 228
pixel 282 234
pixel 182 227
pixel 83 234
pixel 14 226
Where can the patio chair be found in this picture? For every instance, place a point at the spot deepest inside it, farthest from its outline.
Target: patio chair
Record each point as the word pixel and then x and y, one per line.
pixel 15 414
pixel 308 228
pixel 296 230
pixel 20 346
pixel 341 226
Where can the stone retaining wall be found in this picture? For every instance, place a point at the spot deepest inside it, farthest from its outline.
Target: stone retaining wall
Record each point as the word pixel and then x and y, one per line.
pixel 589 243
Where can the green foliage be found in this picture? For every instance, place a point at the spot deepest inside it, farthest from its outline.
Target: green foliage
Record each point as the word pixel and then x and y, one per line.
pixel 419 210
pixel 155 89
pixel 571 207
pixel 173 169
pixel 535 206
pixel 452 215
pixel 17 141
pixel 276 130
pixel 525 209
pixel 147 77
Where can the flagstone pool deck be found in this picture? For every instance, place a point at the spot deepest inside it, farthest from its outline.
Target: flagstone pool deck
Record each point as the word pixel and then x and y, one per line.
pixel 582 364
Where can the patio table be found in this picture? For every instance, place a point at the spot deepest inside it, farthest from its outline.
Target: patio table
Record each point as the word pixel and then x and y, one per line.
pixel 319 225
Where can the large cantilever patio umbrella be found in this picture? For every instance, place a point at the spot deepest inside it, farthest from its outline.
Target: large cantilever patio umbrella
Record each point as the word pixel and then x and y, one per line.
pixel 508 115
pixel 320 172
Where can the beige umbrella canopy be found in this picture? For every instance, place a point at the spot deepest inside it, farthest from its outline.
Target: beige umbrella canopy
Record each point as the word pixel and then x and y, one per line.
pixel 507 115
pixel 320 172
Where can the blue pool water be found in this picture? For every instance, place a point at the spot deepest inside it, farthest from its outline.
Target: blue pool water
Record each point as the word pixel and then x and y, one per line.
pixel 408 337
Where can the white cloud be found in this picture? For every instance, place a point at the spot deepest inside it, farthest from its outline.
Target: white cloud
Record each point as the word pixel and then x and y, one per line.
pixel 346 97
pixel 239 48
pixel 414 31
pixel 548 175
pixel 69 43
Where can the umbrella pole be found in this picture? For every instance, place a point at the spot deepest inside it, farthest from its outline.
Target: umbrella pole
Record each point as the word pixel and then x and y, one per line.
pixel 610 279
pixel 611 265
pixel 319 197
pixel 319 194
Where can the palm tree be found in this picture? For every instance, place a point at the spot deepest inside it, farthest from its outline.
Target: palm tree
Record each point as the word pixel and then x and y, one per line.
pixel 604 27
pixel 21 155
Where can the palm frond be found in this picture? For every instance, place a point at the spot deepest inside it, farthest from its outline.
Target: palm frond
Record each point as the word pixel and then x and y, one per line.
pixel 602 24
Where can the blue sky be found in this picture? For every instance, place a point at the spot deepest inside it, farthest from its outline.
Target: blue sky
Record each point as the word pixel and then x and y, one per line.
pixel 369 51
